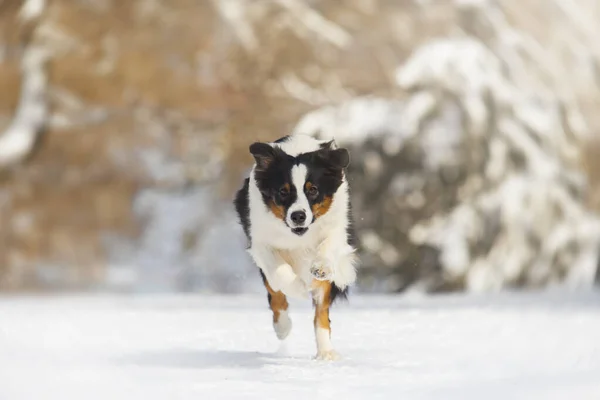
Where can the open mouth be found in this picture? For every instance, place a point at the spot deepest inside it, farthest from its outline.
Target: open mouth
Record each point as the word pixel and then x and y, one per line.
pixel 299 231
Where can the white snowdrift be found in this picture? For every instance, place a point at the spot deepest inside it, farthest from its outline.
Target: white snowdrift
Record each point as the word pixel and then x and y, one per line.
pixel 521 347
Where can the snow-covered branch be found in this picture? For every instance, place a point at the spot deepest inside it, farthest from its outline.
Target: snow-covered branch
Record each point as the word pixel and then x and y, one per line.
pixel 17 141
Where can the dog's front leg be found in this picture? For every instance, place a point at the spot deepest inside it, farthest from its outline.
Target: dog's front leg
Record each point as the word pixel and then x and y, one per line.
pixel 335 260
pixel 322 301
pixel 278 272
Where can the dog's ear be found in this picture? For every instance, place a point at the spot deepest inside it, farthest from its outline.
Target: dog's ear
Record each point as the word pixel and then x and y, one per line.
pixel 337 158
pixel 264 154
pixel 328 145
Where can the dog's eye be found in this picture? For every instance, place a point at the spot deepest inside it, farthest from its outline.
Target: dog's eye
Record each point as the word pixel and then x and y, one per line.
pixel 313 191
pixel 283 193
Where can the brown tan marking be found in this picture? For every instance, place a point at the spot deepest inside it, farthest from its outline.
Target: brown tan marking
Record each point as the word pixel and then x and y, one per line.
pixel 319 209
pixel 322 302
pixel 277 301
pixel 279 211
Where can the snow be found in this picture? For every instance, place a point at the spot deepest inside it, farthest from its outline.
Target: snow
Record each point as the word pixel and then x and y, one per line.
pixel 542 346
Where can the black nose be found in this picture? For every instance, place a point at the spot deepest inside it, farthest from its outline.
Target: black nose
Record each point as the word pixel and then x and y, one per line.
pixel 298 217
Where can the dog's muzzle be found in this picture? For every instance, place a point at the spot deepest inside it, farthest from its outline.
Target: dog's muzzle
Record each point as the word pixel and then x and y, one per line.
pixel 299 231
pixel 298 219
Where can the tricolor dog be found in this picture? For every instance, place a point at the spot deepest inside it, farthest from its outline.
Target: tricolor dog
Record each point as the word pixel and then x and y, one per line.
pixel 295 211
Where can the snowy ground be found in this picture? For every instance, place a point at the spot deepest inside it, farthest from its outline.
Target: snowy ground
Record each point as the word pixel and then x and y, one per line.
pixel 178 347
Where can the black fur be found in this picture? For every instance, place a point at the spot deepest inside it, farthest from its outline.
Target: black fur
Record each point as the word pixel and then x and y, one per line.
pixel 325 170
pixel 352 237
pixel 337 293
pixel 283 139
pixel 352 240
pixel 242 207
pixel 264 279
pixel 327 145
pixel 272 174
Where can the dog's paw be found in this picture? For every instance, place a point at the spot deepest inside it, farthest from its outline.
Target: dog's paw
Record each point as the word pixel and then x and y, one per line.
pixel 283 326
pixel 328 355
pixel 321 272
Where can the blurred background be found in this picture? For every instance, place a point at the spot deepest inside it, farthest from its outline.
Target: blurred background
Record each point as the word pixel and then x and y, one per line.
pixel 473 127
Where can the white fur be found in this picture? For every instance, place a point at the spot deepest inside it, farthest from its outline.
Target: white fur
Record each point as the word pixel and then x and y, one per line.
pixel 299 144
pixel 323 337
pixel 299 173
pixel 286 258
pixel 283 326
pixel 324 347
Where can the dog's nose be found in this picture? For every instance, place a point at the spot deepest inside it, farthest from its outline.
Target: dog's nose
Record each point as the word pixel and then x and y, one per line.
pixel 298 217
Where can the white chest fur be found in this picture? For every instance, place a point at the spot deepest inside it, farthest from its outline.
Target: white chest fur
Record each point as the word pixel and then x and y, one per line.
pixel 280 253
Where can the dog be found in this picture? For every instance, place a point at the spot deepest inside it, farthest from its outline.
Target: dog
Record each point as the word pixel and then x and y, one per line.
pixel 295 211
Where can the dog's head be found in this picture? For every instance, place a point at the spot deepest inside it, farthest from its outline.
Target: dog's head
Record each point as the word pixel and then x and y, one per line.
pixel 299 189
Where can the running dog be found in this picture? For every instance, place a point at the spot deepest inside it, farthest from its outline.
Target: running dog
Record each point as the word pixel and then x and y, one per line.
pixel 295 211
